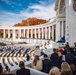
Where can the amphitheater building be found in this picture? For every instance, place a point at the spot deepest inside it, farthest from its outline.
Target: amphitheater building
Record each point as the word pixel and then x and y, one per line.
pixel 63 25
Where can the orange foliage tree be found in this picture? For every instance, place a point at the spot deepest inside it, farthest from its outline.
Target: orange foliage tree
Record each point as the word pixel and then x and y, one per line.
pixel 31 22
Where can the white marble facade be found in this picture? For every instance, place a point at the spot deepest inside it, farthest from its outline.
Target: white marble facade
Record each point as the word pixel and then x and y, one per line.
pixel 70 21
pixel 64 9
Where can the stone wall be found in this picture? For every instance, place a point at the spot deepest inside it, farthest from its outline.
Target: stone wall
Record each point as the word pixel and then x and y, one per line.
pixel 70 22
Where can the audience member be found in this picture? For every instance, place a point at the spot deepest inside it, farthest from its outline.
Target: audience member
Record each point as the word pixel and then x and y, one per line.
pixel 60 50
pixel 65 69
pixel 62 40
pixel 47 64
pixel 41 47
pixel 66 48
pixel 1 70
pixel 73 68
pixel 74 51
pixel 69 57
pixel 1 66
pixel 60 59
pixel 74 44
pixel 54 71
pixel 23 70
pixel 27 57
pixel 54 57
pixel 37 63
pixel 7 69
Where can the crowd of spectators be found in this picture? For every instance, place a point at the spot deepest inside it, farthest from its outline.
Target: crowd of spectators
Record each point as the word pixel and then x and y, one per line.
pixel 61 62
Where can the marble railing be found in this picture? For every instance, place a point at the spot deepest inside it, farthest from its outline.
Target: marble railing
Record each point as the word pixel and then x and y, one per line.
pixel 27 40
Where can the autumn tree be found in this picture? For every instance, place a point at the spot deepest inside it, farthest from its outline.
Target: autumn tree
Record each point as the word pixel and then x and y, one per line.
pixel 31 22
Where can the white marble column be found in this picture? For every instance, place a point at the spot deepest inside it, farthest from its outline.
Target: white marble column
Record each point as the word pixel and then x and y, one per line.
pixel 58 36
pixel 45 32
pixel 3 33
pixel 8 33
pixel 14 34
pixel 19 33
pixel 42 33
pixel 28 33
pixel 52 32
pixel 24 32
pixel 39 33
pixel 62 34
pixel 49 32
pixel 31 33
pixel 35 34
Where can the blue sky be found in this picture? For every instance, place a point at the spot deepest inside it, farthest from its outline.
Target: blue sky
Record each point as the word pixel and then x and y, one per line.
pixel 14 11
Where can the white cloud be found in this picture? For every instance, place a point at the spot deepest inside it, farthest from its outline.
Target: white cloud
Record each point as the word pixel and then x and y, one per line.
pixel 38 11
pixel 44 12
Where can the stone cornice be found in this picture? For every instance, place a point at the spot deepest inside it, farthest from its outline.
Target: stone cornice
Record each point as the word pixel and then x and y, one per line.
pixel 56 5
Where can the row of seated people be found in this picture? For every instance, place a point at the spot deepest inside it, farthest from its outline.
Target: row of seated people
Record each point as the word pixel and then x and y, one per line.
pixel 14 50
pixel 64 57
pixel 6 56
pixel 7 51
pixel 12 61
pixel 65 69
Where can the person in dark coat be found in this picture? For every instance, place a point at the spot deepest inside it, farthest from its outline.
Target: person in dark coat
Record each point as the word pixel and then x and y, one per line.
pixel 47 64
pixel 55 58
pixel 27 57
pixel 23 70
pixel 69 57
pixel 1 69
pixel 1 66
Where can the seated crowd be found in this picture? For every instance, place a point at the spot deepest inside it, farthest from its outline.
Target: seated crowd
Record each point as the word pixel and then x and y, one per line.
pixel 61 62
